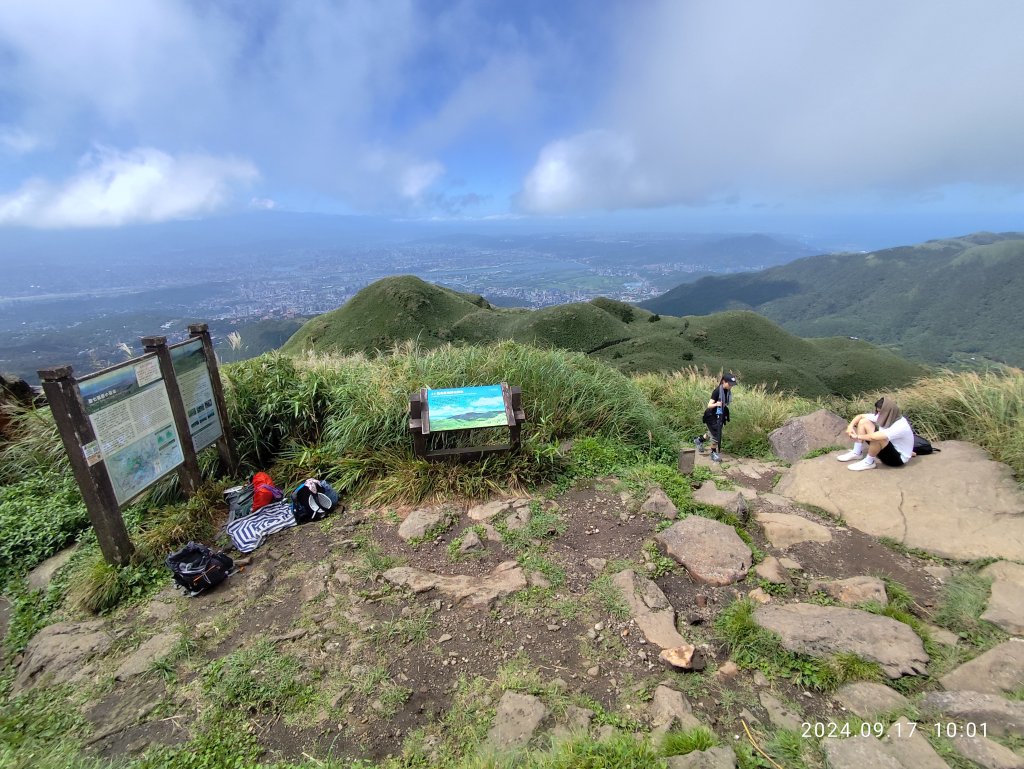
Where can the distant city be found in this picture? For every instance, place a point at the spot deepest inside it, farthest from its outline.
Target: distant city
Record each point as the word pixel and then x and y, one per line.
pixel 59 309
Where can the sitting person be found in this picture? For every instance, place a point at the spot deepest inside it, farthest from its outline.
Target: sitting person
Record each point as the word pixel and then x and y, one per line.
pixel 886 434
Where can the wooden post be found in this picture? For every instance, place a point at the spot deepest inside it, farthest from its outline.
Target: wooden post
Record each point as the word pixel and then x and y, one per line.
pixel 79 441
pixel 225 444
pixel 189 475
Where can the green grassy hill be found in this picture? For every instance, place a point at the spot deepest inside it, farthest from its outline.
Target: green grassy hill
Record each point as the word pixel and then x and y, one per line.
pixel 944 301
pixel 630 339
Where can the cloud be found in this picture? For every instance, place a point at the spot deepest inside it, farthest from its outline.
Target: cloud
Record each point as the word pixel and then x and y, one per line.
pixel 361 101
pixel 113 188
pixel 800 99
pixel 18 142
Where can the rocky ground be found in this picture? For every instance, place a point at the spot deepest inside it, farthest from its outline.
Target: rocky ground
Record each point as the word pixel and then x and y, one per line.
pixel 593 609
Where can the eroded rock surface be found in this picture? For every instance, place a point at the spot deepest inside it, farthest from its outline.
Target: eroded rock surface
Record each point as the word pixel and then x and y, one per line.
pixel 784 530
pixel 650 609
pixel 802 435
pixel 1003 717
pixel 1000 670
pixel 1006 603
pixel 852 591
pixel 518 717
pixel 712 552
pixel 418 523
pixel 506 578
pixel 824 630
pixel 60 651
pixel 960 490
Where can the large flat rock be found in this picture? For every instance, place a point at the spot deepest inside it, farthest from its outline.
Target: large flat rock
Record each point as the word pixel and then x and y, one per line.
pixel 824 630
pixel 1001 716
pixel 858 753
pixel 1006 604
pixel 517 719
pixel 784 530
pixel 1000 670
pixel 956 504
pixel 870 700
pixel 712 552
pixel 58 653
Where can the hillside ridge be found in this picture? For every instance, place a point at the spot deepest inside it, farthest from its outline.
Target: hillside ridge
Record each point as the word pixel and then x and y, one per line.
pixel 633 340
pixel 947 301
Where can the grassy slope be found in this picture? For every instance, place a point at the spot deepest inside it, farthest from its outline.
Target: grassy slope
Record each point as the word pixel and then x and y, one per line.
pixel 629 339
pixel 937 301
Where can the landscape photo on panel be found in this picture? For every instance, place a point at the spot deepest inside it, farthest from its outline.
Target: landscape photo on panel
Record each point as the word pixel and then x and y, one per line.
pixel 463 408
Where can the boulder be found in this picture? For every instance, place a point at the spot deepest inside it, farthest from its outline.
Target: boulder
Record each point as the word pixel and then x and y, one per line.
pixel 488 510
pixel 141 660
pixel 1000 670
pixel 1006 603
pixel 685 657
pixel 852 591
pixel 869 700
pixel 908 745
pixel 649 608
pixel 824 630
pixel 658 503
pixel 506 578
pixel 1003 717
pixel 784 530
pixel 59 652
pixel 779 714
pixel 470 542
pixel 818 430
pixel 671 709
pixel 709 494
pixel 771 570
pixel 858 753
pixel 418 523
pixel 711 552
pixel 959 490
pixel 517 719
pixel 987 753
pixel 712 758
pixel 576 723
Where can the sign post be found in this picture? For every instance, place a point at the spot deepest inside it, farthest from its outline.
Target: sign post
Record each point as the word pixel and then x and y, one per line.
pixel 81 444
pixel 225 443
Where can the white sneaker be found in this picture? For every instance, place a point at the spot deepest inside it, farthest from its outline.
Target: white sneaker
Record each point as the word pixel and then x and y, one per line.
pixel 865 464
pixel 849 456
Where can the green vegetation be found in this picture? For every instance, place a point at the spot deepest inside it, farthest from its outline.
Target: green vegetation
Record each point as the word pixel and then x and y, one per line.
pixel 679 743
pixel 256 679
pixel 400 309
pixel 945 301
pixel 751 646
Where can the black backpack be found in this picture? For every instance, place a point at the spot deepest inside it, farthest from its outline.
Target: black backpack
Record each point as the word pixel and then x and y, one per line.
pixel 922 446
pixel 196 568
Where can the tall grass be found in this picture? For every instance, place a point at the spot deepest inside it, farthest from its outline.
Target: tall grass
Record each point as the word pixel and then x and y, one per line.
pixel 344 417
pixel 755 410
pixel 987 409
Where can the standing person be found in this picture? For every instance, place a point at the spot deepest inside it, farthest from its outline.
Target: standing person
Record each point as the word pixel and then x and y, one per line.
pixel 716 415
pixel 886 435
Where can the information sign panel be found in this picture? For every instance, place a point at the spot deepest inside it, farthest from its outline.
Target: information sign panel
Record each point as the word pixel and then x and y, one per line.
pixel 131 416
pixel 196 388
pixel 465 408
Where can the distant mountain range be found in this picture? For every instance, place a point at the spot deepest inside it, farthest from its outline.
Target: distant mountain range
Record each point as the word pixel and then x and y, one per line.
pixel 949 302
pixel 402 308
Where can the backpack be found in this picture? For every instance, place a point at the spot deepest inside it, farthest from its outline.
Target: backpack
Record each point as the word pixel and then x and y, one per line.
pixel 264 491
pixel 195 568
pixel 922 446
pixel 312 504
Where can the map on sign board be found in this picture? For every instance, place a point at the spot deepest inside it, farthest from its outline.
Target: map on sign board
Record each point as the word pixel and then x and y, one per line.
pixel 463 408
pixel 193 377
pixel 131 416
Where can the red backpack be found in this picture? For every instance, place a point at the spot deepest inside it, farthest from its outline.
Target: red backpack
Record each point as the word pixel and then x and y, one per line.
pixel 264 492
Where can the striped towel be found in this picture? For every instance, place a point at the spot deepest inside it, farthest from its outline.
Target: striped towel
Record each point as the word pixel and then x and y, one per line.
pixel 250 532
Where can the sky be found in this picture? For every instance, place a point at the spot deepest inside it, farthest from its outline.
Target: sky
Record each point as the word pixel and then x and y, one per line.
pixel 680 112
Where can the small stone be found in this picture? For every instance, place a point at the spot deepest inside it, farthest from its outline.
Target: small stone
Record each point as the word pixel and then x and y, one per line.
pixel 789 563
pixel 594 672
pixel 554 628
pixel 599 626
pixel 759 595
pixel 685 657
pixel 772 570
pixel 596 565
pixel 728 670
pixel 444 638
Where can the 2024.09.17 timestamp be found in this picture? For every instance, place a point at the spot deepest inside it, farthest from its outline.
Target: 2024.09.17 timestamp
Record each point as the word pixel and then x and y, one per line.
pixel 899 729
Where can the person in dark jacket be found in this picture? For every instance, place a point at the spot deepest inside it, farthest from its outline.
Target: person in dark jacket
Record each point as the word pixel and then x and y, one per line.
pixel 716 415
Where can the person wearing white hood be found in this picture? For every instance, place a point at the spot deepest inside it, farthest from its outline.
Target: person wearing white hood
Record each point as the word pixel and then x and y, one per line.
pixel 885 435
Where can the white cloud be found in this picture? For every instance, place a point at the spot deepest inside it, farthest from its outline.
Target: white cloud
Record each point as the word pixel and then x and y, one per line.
pixel 114 188
pixel 18 141
pixel 801 99
pixel 263 204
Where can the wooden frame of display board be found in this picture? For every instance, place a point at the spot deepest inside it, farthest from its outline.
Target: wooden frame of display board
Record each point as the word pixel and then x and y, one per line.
pixel 464 409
